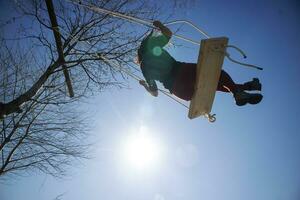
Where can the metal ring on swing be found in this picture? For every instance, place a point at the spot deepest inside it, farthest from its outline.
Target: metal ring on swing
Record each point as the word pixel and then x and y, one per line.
pixel 211 118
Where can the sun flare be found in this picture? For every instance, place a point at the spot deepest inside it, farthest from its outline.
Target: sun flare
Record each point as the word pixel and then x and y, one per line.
pixel 141 150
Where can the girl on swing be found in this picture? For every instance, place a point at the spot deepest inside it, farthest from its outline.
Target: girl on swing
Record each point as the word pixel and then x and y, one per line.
pixel 179 77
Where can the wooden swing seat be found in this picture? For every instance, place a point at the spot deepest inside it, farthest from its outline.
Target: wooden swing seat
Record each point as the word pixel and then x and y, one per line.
pixel 210 61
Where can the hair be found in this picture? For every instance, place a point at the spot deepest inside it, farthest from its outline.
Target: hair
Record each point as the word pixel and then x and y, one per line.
pixel 138 58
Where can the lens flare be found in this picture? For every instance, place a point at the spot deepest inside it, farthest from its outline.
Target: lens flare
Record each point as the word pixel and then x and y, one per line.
pixel 157 51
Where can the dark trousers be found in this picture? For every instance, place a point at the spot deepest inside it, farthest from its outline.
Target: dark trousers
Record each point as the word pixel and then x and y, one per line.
pixel 185 79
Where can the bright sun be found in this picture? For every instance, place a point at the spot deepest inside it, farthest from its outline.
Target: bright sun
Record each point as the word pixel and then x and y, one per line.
pixel 141 150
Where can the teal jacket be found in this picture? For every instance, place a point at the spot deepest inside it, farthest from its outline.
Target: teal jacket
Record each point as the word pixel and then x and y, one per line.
pixel 156 63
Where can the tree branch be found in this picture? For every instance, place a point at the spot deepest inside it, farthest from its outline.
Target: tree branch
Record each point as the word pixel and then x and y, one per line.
pixel 59 45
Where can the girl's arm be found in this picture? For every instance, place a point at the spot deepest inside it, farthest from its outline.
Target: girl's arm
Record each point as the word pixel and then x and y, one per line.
pixel 164 30
pixel 151 91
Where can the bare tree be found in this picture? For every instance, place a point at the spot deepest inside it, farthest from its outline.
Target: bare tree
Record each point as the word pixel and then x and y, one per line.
pixel 41 127
pixel 48 133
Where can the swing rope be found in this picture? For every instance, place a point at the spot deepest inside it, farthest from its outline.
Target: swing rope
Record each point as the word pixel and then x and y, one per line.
pixel 243 54
pixel 150 25
pixel 168 94
pixel 140 21
pixel 189 23
pixel 126 71
pixel 119 68
pixel 137 78
pixel 240 63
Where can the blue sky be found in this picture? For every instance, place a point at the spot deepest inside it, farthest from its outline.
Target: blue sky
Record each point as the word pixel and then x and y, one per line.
pixel 251 152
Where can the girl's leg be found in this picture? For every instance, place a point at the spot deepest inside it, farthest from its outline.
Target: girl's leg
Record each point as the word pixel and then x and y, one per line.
pixel 226 84
pixel 184 81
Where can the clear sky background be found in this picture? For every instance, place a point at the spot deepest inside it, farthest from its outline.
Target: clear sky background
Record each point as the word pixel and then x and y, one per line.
pixel 251 152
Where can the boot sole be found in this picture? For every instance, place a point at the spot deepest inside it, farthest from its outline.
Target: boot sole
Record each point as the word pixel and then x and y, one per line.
pixel 255 99
pixel 241 102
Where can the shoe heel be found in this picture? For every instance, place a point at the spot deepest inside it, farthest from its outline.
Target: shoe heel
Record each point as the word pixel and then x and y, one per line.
pixel 257 84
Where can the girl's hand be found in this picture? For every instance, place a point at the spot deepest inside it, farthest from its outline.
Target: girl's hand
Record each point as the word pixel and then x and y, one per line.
pixel 143 83
pixel 157 24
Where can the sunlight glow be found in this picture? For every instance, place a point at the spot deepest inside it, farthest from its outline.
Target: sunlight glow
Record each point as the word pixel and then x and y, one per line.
pixel 141 150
